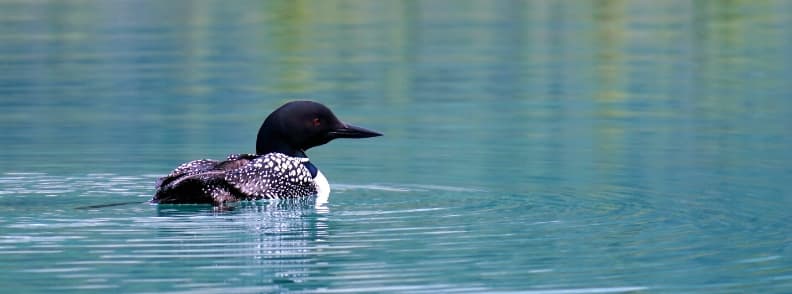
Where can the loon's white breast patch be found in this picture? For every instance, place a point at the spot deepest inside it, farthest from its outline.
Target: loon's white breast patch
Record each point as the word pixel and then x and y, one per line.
pixel 322 188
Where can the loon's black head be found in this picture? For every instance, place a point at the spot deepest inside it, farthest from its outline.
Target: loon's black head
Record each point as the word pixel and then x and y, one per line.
pixel 299 125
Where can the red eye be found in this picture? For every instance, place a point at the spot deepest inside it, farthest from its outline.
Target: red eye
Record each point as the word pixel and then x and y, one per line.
pixel 316 122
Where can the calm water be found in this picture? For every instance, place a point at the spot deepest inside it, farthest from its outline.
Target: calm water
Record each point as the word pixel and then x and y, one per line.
pixel 541 147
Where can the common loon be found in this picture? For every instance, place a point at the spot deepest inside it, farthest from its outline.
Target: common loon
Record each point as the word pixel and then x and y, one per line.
pixel 279 169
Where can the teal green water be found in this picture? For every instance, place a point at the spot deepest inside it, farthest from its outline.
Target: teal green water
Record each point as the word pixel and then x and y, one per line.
pixel 530 146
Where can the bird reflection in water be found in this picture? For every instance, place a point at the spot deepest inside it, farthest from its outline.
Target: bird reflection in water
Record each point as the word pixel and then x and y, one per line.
pixel 274 242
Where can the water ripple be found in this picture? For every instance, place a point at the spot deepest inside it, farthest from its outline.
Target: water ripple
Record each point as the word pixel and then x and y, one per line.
pixel 396 237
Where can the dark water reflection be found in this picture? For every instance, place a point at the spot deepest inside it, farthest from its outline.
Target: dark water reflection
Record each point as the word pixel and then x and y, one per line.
pixel 547 146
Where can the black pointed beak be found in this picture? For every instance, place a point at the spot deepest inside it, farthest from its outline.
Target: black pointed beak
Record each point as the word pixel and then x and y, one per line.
pixel 352 132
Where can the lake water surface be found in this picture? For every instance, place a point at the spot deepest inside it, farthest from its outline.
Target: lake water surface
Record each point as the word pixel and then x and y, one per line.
pixel 530 146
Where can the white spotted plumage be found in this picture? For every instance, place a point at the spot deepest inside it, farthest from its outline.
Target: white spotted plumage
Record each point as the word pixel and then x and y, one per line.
pixel 274 175
pixel 241 177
